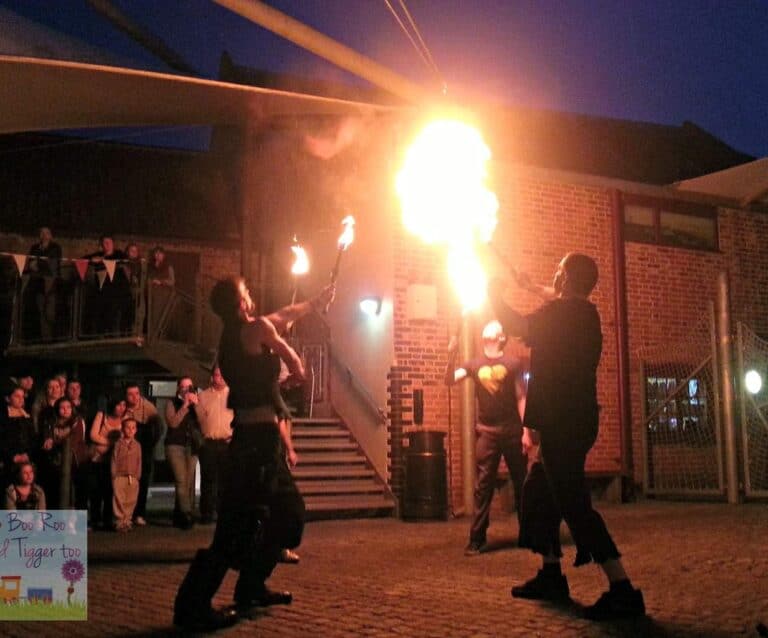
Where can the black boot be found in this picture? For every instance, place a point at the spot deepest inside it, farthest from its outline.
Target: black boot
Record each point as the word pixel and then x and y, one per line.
pixel 192 609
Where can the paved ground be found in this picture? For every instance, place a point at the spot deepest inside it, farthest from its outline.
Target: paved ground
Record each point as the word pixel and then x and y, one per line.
pixel 703 569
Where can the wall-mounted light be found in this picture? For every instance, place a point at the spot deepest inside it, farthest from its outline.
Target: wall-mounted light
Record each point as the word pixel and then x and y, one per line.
pixel 753 381
pixel 371 306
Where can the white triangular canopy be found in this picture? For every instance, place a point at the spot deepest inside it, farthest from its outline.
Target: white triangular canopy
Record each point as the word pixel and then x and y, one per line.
pixel 41 95
pixel 745 184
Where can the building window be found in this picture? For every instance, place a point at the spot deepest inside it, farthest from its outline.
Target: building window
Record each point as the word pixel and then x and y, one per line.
pixel 679 414
pixel 670 223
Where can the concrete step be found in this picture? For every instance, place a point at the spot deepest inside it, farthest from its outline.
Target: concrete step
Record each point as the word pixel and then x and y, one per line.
pixel 325 445
pixel 304 432
pixel 332 458
pixel 332 487
pixel 335 506
pixel 320 472
pixel 316 421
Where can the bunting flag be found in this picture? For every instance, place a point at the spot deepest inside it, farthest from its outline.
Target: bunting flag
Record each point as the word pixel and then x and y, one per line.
pixel 81 265
pixel 21 262
pixel 110 264
pixel 102 275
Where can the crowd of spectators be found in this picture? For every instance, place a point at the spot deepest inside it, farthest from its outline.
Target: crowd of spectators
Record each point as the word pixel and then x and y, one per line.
pixel 58 451
pixel 112 301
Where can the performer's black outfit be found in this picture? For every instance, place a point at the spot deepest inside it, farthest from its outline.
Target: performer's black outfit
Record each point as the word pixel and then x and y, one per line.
pixel 499 433
pixel 566 342
pixel 261 510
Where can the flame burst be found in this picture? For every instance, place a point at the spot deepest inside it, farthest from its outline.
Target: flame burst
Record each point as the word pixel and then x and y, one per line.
pixel 445 200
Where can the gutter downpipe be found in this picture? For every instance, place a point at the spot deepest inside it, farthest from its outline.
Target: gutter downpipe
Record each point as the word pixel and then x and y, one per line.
pixel 622 338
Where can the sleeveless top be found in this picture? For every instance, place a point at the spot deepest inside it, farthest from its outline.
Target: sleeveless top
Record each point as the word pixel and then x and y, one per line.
pixel 250 377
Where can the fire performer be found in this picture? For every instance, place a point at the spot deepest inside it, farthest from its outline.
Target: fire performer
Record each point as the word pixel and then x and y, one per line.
pixel 261 511
pixel 499 390
pixel 566 341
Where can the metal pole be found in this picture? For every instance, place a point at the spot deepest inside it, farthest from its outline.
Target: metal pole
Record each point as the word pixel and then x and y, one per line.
pixel 328 48
pixel 725 348
pixel 715 402
pixel 467 420
pixel 622 338
pixel 743 405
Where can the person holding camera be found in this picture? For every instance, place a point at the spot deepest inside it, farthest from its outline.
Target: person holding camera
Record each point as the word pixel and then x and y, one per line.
pixel 181 449
pixel 499 390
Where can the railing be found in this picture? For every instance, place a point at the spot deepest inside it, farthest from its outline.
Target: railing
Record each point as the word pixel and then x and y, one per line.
pixel 79 302
pixel 354 384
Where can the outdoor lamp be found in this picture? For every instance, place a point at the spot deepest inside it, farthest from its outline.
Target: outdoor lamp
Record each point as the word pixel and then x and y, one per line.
pixel 753 381
pixel 371 306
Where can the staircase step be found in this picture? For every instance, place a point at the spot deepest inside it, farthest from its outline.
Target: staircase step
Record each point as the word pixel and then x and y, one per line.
pixel 319 472
pixel 349 503
pixel 316 421
pixel 325 445
pixel 319 433
pixel 312 488
pixel 332 458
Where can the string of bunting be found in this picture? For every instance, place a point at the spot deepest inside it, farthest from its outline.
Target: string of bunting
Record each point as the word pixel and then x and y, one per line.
pixel 80 264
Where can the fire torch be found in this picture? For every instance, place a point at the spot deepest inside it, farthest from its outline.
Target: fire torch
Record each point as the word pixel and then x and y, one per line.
pixel 345 240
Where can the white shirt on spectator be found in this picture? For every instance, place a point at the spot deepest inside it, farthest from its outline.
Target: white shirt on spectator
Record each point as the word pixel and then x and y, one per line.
pixel 214 416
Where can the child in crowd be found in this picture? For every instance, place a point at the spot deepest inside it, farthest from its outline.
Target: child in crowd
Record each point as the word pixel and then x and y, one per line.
pixel 126 472
pixel 24 493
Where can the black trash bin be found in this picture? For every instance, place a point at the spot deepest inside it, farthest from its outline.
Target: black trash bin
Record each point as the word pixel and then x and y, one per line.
pixel 426 494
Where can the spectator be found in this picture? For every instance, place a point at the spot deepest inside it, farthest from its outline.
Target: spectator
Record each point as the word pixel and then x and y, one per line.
pixel 43 268
pixel 105 431
pixel 61 377
pixel 106 302
pixel 65 459
pixel 134 317
pixel 149 431
pixel 180 449
pixel 26 382
pixel 74 394
pixel 126 472
pixel 43 413
pixel 24 493
pixel 17 435
pixel 161 282
pixel 216 426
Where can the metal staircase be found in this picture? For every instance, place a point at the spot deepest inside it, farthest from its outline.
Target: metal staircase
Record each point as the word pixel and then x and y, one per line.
pixel 334 476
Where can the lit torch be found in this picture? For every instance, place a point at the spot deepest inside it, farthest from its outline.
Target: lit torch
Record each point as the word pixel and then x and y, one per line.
pixel 300 266
pixel 345 240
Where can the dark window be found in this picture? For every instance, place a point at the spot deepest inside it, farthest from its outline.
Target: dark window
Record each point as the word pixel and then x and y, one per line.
pixel 670 223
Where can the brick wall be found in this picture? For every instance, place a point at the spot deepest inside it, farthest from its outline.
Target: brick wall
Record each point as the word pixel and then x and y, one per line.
pixel 539 222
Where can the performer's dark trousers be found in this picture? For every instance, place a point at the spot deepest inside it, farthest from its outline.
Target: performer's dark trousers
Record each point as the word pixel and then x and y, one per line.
pixel 212 455
pixel 490 445
pixel 556 489
pixel 261 512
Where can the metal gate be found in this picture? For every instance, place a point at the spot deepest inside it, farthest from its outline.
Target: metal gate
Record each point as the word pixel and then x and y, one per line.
pixel 752 365
pixel 681 431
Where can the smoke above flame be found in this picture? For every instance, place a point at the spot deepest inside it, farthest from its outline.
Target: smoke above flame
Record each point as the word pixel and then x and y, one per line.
pixel 445 200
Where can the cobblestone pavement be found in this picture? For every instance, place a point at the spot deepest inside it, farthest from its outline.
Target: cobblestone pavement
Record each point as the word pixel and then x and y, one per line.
pixel 703 569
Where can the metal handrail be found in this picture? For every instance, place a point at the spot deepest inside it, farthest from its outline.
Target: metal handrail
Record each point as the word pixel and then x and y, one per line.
pixel 358 386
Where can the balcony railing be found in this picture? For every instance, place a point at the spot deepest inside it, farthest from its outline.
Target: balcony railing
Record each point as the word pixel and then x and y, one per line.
pixel 74 304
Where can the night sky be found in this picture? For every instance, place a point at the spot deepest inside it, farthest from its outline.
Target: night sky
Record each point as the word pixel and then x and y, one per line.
pixel 663 61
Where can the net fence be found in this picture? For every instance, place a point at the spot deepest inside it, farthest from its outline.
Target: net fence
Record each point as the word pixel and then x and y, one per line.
pixel 753 364
pixel 681 432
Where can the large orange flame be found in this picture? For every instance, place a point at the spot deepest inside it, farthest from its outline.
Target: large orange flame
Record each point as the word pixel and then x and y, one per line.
pixel 445 200
pixel 300 261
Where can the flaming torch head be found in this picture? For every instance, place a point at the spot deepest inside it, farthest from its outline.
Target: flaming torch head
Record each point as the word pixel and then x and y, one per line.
pixel 348 234
pixel 300 261
pixel 445 200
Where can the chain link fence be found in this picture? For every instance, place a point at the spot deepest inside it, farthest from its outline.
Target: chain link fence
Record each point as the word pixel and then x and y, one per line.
pixel 682 449
pixel 752 353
